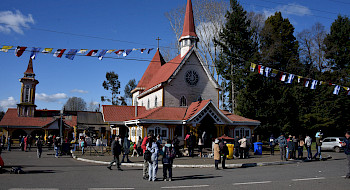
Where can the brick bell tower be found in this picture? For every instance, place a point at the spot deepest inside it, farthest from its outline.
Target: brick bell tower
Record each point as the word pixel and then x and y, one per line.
pixel 26 107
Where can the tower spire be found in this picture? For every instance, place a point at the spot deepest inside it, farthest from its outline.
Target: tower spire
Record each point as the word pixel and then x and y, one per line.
pixel 189 37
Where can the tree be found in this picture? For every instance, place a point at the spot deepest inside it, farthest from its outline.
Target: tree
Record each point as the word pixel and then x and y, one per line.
pixel 93 106
pixel 2 113
pixel 209 19
pixel 112 84
pixel 128 88
pixel 237 48
pixel 75 104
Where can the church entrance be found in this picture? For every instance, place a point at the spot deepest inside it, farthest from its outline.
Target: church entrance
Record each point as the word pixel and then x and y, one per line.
pixel 207 125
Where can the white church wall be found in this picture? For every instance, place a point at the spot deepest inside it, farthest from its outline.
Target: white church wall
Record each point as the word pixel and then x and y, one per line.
pixel 178 87
pixel 152 99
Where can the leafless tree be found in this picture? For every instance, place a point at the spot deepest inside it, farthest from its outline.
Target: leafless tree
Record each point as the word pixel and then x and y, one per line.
pixel 209 18
pixel 75 104
pixel 93 106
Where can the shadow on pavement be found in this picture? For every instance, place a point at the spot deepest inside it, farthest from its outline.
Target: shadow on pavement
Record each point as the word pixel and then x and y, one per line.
pixel 193 177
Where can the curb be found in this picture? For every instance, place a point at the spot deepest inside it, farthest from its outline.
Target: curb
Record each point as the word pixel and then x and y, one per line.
pixel 196 166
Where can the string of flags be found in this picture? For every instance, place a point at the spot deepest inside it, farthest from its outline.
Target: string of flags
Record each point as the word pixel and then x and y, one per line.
pixel 288 78
pixel 19 50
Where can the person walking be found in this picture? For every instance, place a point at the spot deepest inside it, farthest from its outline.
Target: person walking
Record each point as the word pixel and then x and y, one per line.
pixel 56 144
pixel 318 145
pixel 243 147
pixel 25 143
pixel 190 144
pixel 126 147
pixel 308 142
pixel 135 150
pixel 291 148
pixel 236 147
pixel 116 151
pixel 39 145
pixel 83 145
pixel 216 153
pixel 9 143
pixel 225 152
pixel 145 162
pixel 272 144
pixel 346 146
pixel 153 164
pixel 200 145
pixel 168 157
pixel 282 143
pixel 301 144
pixel 21 143
pixel 139 149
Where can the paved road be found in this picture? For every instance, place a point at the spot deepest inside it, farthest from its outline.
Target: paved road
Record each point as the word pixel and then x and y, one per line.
pixel 67 173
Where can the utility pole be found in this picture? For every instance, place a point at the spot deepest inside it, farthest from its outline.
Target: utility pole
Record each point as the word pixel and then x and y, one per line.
pixel 61 126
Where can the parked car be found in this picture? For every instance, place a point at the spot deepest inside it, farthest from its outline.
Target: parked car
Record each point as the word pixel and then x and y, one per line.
pixel 332 143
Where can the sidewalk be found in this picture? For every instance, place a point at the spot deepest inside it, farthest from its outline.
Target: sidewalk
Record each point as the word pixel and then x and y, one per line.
pixel 187 162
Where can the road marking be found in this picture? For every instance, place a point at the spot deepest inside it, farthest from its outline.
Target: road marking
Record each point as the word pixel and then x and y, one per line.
pixel 252 183
pixel 33 189
pixel 307 179
pixel 193 186
pixel 126 188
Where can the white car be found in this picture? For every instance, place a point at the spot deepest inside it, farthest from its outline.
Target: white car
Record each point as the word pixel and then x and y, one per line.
pixel 332 143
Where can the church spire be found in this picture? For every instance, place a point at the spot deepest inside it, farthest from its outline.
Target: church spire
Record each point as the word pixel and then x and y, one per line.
pixel 29 72
pixel 189 37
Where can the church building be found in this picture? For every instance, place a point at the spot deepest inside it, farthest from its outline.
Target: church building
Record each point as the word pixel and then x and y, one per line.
pixel 177 97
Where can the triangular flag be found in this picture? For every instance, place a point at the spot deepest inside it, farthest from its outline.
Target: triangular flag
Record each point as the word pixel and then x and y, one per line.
pixel 47 50
pixel 59 53
pixel 283 77
pixel 34 52
pixel 274 73
pixel 299 79
pixel 313 84
pixel 142 50
pixel 149 50
pixel 102 53
pixel 127 52
pixel 82 51
pixel 252 67
pixel 92 53
pixel 306 83
pixel 6 48
pixel 267 71
pixel 336 90
pixel 111 50
pixel 134 49
pixel 119 52
pixel 290 79
pixel 261 70
pixel 71 54
pixel 19 51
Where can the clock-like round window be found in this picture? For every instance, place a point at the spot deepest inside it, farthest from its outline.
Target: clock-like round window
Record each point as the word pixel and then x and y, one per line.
pixel 192 77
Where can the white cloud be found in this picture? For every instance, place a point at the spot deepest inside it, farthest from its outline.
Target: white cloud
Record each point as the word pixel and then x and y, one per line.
pixel 51 98
pixel 10 102
pixel 289 9
pixel 79 91
pixel 14 21
pixel 94 103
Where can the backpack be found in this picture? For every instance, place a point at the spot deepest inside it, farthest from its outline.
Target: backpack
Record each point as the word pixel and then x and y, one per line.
pixel 147 155
pixel 169 155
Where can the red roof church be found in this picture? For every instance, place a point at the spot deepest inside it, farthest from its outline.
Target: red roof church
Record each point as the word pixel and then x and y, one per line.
pixel 176 97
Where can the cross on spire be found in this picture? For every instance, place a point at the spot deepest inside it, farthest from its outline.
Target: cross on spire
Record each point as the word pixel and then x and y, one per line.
pixel 158 39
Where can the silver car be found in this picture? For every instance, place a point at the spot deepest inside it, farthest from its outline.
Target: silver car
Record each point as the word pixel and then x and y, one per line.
pixel 332 143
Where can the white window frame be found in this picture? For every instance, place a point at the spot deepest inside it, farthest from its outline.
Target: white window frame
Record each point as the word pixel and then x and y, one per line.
pixel 244 130
pixel 158 130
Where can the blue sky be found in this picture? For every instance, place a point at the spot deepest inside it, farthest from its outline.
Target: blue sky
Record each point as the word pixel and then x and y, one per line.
pixel 137 21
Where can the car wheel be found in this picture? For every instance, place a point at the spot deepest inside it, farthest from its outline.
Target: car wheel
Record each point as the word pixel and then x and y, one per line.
pixel 337 149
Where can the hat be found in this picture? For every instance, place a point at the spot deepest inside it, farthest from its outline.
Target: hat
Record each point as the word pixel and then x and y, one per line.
pixel 216 141
pixel 290 136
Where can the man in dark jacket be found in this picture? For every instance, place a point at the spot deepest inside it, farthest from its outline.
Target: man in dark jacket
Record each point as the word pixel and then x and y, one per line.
pixel 236 147
pixel 346 145
pixel 116 151
pixel 224 152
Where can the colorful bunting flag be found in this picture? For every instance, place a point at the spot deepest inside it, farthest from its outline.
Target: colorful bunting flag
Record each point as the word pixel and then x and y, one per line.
pixel 102 53
pixel 127 52
pixel 336 90
pixel 306 83
pixel 149 50
pixel 34 52
pixel 290 79
pixel 283 77
pixel 142 50
pixel 92 53
pixel 59 53
pixel 252 65
pixel 119 52
pixel 19 51
pixel 261 69
pixel 299 79
pixel 71 54
pixel 313 84
pixel 111 51
pixel 134 49
pixel 267 71
pixel 82 51
pixel 6 48
pixel 274 73
pixel 47 50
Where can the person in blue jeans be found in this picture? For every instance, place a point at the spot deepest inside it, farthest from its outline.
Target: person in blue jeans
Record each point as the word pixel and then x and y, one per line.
pixel 318 145
pixel 346 145
pixel 308 142
pixel 282 142
pixel 153 164
pixel 9 142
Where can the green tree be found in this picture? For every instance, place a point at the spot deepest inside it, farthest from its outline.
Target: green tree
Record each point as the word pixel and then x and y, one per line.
pixel 75 104
pixel 131 85
pixel 112 84
pixel 237 47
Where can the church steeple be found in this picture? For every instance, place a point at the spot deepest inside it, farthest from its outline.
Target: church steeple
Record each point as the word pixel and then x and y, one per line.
pixel 189 37
pixel 27 106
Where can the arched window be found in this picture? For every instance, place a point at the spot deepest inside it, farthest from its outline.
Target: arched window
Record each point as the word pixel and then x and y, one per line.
pixel 148 104
pixel 183 101
pixel 155 101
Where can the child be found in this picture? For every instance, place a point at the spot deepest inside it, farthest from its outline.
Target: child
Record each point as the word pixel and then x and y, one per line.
pixel 135 150
pixel 168 156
